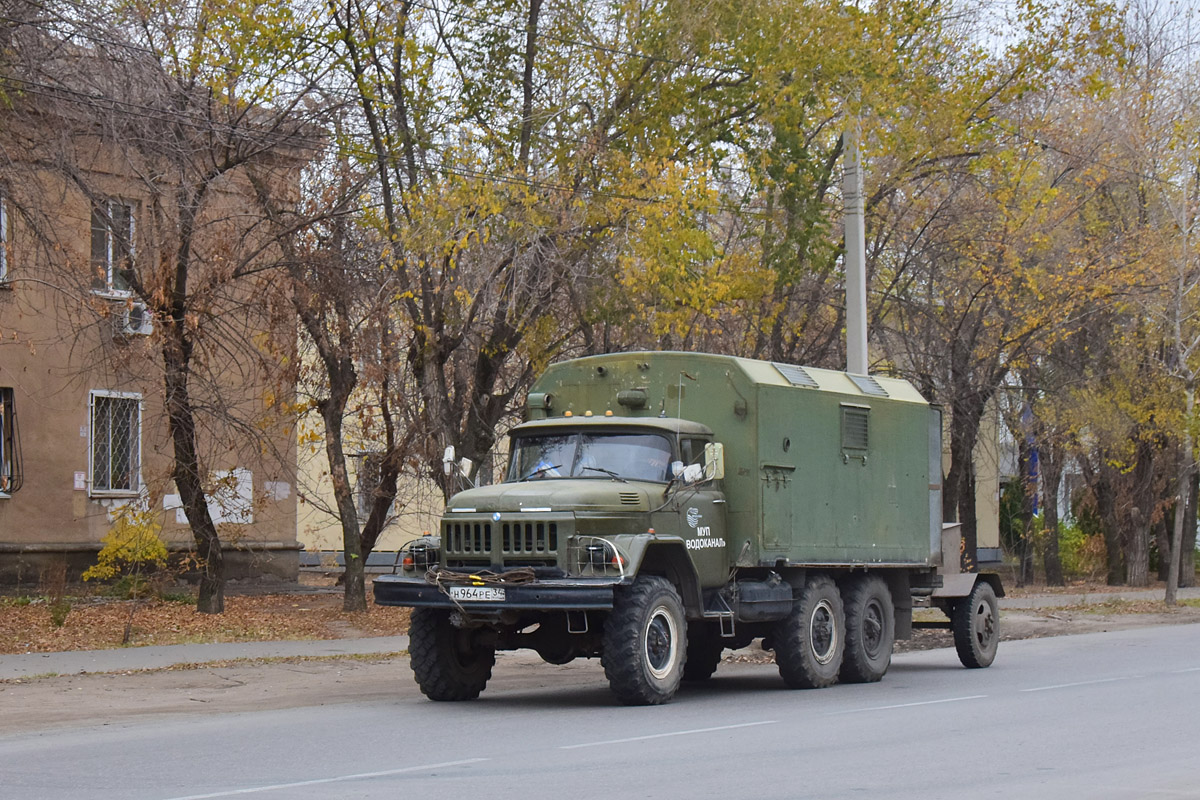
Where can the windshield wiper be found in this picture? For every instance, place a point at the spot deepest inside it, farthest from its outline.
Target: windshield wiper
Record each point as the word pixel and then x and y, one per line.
pixel 546 468
pixel 615 476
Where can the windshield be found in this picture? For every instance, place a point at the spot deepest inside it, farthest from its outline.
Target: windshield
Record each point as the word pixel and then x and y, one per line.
pixel 627 456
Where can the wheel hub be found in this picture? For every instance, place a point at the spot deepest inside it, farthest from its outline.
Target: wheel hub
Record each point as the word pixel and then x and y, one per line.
pixel 661 641
pixel 822 633
pixel 872 629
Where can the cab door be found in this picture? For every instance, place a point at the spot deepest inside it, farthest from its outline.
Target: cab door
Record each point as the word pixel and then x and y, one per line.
pixel 702 526
pixel 702 519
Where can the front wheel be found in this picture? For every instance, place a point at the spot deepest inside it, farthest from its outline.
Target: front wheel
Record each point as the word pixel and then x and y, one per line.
pixel 809 642
pixel 448 663
pixel 645 642
pixel 976 625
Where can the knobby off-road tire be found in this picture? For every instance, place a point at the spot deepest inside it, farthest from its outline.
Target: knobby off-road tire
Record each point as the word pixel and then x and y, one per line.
pixel 975 621
pixel 645 642
pixel 447 662
pixel 704 650
pixel 870 629
pixel 810 641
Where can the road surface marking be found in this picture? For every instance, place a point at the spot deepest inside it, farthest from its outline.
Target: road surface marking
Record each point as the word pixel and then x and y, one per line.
pixel 658 736
pixel 1191 669
pixel 1082 683
pixel 339 779
pixel 908 705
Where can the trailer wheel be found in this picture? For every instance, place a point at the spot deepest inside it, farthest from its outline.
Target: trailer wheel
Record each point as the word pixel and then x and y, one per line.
pixel 448 663
pixel 870 630
pixel 645 642
pixel 975 621
pixel 810 641
pixel 704 649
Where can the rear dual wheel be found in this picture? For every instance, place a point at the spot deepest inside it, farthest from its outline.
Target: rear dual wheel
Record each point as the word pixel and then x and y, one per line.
pixel 870 629
pixel 809 643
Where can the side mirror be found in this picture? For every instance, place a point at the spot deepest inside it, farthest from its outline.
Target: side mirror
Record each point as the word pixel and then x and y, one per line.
pixel 693 473
pixel 714 461
pixel 448 460
pixel 465 466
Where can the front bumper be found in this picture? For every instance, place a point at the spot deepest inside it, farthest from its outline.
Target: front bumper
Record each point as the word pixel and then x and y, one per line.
pixel 565 594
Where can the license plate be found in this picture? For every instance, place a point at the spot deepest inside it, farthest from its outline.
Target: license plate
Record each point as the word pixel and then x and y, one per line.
pixel 477 593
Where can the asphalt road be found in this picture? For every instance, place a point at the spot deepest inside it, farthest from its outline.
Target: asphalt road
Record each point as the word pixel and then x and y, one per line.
pixel 1112 715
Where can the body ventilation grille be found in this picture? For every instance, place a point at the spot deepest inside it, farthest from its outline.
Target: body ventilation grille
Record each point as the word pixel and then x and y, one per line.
pixel 868 385
pixel 796 376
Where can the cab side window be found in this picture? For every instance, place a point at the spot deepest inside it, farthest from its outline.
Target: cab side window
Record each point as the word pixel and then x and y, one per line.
pixel 691 450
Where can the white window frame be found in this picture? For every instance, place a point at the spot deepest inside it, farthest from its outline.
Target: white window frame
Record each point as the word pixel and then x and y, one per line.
pixel 109 290
pixel 8 440
pixel 4 237
pixel 136 489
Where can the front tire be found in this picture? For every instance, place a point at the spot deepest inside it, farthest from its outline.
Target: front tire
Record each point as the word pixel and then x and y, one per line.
pixel 645 642
pixel 448 663
pixel 976 625
pixel 870 630
pixel 810 641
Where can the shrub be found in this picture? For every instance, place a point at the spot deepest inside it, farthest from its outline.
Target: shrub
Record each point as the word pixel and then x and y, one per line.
pixel 1082 553
pixel 132 545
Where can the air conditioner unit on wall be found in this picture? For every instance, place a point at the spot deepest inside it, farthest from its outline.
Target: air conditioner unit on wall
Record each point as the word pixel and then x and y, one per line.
pixel 135 320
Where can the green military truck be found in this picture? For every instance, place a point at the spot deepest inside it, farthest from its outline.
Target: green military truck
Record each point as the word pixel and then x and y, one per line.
pixel 661 507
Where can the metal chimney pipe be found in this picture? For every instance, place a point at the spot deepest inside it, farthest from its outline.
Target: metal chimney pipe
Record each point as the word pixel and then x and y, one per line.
pixel 855 259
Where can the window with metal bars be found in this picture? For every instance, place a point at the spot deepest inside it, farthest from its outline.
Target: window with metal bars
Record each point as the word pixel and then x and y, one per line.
pixel 116 434
pixel 10 444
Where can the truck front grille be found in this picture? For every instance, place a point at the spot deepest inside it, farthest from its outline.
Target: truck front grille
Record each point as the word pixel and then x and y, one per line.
pixel 525 538
pixel 468 537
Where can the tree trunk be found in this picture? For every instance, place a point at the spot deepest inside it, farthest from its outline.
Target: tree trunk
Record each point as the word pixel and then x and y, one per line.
pixel 187 472
pixel 1052 468
pixel 1102 490
pixel 1028 493
pixel 1184 483
pixel 1137 554
pixel 354 577
pixel 1187 560
pixel 1162 540
pixel 958 492
pixel 342 377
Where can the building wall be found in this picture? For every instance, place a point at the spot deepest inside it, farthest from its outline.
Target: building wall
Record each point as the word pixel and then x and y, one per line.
pixel 988 460
pixel 60 342
pixel 416 512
